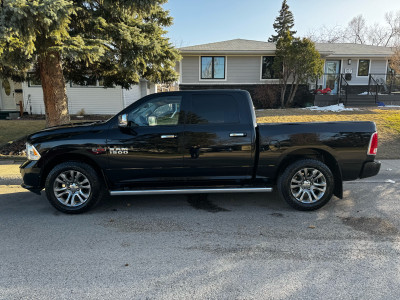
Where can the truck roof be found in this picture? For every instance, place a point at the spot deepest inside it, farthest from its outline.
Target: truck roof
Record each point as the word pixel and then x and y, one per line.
pixel 208 91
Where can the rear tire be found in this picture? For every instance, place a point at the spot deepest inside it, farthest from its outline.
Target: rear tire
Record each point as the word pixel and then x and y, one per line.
pixel 306 184
pixel 73 187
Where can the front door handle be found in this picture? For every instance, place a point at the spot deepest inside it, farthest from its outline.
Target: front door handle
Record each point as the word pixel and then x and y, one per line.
pixel 168 136
pixel 237 134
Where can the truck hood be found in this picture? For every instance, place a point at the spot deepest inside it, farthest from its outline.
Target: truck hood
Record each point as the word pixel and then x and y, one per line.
pixel 65 131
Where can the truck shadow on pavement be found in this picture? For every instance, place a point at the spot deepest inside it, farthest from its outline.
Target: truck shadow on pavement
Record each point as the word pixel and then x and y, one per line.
pixel 213 203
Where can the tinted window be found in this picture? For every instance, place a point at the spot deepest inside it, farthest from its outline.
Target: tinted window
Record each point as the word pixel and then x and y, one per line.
pixel 214 109
pixel 157 111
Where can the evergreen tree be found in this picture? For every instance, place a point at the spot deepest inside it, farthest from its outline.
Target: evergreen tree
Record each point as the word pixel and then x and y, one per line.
pixel 283 23
pixel 283 63
pixel 117 41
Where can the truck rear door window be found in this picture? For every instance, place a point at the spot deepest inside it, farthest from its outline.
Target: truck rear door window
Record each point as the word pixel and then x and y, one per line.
pixel 214 109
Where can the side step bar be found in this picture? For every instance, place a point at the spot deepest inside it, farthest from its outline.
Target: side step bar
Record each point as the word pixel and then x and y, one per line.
pixel 191 191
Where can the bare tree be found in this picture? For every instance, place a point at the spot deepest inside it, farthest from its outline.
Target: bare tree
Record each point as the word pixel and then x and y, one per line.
pixel 393 21
pixel 377 35
pixel 357 30
pixel 334 34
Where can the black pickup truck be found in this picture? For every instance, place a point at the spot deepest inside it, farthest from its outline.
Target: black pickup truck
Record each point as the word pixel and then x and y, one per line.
pixel 197 142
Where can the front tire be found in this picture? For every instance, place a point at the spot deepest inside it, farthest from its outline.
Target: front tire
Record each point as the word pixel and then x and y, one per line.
pixel 307 184
pixel 73 187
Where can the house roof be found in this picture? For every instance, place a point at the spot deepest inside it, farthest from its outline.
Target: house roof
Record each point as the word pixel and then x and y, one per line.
pixel 241 46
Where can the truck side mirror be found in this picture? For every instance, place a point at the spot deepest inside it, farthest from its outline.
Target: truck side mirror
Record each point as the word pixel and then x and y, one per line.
pixel 123 120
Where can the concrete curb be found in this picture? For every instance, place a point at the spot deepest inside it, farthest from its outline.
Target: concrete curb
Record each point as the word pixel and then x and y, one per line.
pixel 9 173
pixel 10 181
pixel 6 159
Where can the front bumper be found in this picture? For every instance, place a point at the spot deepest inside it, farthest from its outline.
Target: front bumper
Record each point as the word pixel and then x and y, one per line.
pixel 31 175
pixel 370 168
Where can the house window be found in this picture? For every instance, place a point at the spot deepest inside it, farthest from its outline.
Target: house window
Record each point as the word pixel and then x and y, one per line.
pixel 34 80
pixel 363 67
pixel 212 67
pixel 88 81
pixel 267 71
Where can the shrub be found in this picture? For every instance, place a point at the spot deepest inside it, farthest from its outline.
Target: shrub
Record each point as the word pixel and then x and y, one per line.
pixel 81 112
pixel 266 96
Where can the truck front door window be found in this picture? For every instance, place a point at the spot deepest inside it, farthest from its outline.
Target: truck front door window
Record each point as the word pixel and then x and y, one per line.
pixel 156 112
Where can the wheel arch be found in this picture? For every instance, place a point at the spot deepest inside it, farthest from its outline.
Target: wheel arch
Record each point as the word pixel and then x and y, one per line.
pixel 61 158
pixel 318 154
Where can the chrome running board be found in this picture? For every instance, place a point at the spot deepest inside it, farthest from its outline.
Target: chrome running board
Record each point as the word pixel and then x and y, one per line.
pixel 191 191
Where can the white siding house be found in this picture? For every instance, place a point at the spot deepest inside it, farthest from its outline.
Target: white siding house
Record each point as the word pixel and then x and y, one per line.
pixel 92 99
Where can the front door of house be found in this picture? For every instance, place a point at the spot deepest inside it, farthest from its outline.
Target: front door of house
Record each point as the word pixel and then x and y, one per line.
pixel 332 68
pixel 7 95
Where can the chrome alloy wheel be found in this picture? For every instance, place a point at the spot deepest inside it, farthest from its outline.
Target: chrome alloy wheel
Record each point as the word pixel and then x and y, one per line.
pixel 308 185
pixel 72 188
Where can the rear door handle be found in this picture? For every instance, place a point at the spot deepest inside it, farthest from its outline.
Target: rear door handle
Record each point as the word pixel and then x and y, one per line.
pixel 237 134
pixel 168 136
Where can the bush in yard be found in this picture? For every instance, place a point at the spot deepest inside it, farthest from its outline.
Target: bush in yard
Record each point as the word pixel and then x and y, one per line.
pixel 266 96
pixel 303 97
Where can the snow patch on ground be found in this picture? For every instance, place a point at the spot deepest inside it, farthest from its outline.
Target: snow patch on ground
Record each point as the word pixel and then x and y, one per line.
pixel 391 106
pixel 371 94
pixel 335 108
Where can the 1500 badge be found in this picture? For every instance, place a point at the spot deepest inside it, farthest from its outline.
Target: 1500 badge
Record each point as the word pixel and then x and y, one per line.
pixel 118 150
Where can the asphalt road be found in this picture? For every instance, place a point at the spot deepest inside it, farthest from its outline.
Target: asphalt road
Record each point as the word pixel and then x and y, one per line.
pixel 244 246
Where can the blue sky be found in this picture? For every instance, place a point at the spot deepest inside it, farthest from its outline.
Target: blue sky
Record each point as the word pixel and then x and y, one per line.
pixel 205 21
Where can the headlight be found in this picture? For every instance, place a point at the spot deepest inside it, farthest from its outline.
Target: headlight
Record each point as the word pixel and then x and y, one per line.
pixel 31 152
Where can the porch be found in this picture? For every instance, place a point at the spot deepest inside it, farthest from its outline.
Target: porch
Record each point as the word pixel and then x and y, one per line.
pixel 381 89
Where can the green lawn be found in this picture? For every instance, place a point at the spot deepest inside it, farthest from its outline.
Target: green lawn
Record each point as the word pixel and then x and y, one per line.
pixel 11 130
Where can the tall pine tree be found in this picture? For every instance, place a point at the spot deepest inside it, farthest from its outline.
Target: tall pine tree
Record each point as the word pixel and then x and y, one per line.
pixel 117 41
pixel 283 23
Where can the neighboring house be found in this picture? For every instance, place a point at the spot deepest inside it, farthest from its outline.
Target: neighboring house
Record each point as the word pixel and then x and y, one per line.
pixel 246 64
pixel 92 98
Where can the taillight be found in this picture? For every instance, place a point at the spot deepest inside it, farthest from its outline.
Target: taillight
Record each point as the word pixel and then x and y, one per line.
pixel 373 144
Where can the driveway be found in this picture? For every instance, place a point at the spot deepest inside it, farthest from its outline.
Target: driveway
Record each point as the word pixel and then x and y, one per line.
pixel 226 246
